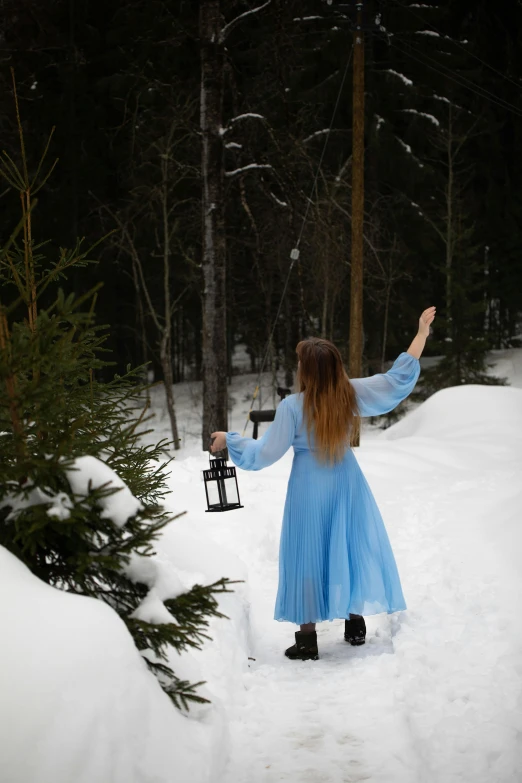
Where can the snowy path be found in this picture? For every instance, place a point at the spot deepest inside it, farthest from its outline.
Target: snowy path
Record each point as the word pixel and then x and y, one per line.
pixel 435 694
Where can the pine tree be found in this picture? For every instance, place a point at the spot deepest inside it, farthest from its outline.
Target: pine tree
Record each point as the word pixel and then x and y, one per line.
pixel 61 427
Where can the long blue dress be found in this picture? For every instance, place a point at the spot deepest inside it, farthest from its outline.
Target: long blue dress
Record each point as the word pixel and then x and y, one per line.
pixel 335 557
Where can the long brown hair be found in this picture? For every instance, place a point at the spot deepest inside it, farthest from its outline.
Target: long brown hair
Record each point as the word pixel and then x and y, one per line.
pixel 329 404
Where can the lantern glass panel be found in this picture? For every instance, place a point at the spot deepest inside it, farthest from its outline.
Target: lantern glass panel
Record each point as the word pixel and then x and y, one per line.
pixel 230 495
pixel 213 493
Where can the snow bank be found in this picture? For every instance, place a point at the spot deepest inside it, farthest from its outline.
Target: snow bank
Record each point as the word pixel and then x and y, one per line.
pixel 468 411
pixel 76 691
pixel 78 703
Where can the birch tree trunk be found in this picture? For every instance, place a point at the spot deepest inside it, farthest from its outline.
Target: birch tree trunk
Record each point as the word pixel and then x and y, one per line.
pixel 214 337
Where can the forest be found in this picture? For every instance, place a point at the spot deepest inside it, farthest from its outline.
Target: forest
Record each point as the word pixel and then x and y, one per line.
pixel 126 87
pixel 188 189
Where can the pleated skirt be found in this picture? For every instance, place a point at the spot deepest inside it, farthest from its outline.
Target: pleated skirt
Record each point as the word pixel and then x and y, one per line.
pixel 335 556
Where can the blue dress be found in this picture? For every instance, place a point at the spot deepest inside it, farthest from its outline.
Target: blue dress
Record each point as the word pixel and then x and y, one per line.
pixel 335 557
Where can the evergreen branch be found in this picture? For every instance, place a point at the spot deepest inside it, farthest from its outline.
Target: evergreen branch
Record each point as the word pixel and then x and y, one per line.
pixel 180 691
pixel 13 176
pixel 42 183
pixel 19 227
pixel 16 276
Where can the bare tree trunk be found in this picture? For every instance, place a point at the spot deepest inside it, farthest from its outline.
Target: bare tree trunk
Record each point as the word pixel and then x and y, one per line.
pixel 289 346
pixel 356 340
pixel 166 366
pixel 325 300
pixel 332 311
pixel 449 224
pixel 386 314
pixel 166 337
pixel 141 334
pixel 215 413
pixel 356 345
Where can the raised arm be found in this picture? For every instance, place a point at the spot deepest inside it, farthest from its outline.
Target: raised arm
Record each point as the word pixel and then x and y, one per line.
pixel 383 392
pixel 251 454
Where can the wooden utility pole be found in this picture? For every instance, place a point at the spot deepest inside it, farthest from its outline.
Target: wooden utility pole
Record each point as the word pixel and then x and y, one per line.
pixel 356 283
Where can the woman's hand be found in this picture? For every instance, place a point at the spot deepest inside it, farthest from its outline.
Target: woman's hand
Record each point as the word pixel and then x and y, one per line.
pixel 220 441
pixel 419 341
pixel 425 320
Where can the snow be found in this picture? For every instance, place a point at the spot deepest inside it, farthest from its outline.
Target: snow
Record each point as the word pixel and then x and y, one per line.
pixel 401 76
pixel 246 116
pixel 238 19
pixel 88 473
pixel 434 695
pixel 248 167
pixel 429 117
pixel 403 144
pixel 29 495
pixel 315 134
pixel 428 32
pixel 78 703
pixel 277 200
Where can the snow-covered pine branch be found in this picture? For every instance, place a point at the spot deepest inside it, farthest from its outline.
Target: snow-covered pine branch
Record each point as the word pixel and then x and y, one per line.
pixel 450 103
pixel 306 18
pixel 401 76
pixel 227 29
pixel 233 145
pixel 248 167
pixel 429 117
pixel 407 148
pixel 246 116
pixel 403 144
pixel 428 32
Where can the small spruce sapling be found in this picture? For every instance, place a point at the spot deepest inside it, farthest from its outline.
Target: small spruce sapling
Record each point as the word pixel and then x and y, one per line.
pixel 53 411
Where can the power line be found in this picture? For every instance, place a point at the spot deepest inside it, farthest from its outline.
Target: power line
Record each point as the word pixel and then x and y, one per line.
pixel 294 255
pixel 460 46
pixel 462 81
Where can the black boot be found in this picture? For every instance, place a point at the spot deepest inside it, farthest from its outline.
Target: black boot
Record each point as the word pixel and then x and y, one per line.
pixel 355 630
pixel 305 647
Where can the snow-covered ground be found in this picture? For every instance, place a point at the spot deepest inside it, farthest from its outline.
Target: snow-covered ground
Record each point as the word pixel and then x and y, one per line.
pixel 435 696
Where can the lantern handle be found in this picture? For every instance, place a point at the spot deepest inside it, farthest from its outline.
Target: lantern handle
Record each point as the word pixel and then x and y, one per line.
pixel 210 452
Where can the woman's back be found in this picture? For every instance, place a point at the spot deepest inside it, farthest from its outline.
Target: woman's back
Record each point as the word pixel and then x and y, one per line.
pixel 375 395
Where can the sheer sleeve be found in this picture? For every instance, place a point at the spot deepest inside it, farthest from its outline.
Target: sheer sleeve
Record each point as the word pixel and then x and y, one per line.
pixel 382 393
pixel 251 454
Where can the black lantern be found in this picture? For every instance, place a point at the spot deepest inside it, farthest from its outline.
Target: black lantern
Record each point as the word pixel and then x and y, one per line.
pixel 221 486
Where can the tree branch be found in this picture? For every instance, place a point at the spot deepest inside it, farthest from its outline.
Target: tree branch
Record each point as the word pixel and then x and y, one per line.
pixel 227 29
pixel 248 167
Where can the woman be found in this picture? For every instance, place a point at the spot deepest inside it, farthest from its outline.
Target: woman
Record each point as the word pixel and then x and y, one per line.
pixel 335 558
